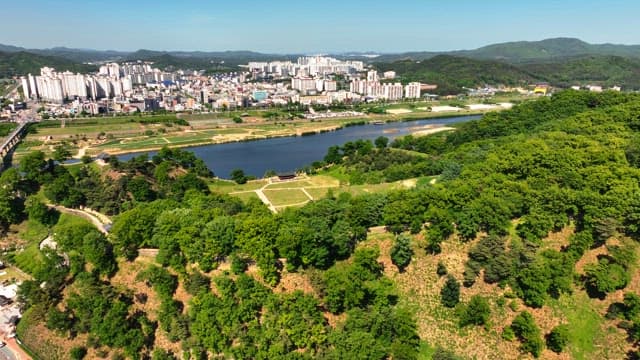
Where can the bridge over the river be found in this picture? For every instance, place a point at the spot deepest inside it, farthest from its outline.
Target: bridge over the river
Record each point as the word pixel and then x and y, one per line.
pixel 12 140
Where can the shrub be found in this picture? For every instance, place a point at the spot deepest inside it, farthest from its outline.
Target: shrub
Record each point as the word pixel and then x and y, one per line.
pixel 477 312
pixel 441 270
pixel 450 293
pixel 558 338
pixel 525 328
pixel 78 353
pixel 401 252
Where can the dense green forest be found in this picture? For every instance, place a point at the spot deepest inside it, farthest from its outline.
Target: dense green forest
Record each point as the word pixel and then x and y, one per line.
pixel 604 70
pixel 23 63
pixel 504 183
pixel 453 73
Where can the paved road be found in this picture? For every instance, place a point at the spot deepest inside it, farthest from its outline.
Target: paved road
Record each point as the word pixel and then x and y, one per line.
pixel 16 351
pixel 7 354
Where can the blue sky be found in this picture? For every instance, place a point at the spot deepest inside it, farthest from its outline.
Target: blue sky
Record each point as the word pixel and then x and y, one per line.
pixel 287 26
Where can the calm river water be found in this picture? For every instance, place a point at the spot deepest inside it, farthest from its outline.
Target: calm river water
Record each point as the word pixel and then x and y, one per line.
pixel 291 153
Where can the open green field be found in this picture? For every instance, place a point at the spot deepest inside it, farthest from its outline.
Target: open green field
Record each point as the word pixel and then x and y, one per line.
pixel 29 259
pixel 286 197
pixel 585 324
pixel 282 194
pixel 33 232
pixel 226 187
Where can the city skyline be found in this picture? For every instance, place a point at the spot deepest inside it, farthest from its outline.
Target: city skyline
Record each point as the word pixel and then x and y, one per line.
pixel 287 27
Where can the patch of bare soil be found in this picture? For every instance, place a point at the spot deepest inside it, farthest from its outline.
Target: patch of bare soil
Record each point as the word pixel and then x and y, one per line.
pixel 558 240
pixel 294 281
pixel 590 257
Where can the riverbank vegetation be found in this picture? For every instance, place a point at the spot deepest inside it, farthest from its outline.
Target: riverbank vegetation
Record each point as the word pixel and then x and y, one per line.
pixel 532 217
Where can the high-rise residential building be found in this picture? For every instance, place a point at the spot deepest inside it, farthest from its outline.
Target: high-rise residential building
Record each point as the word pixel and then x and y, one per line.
pixel 116 87
pixel 25 87
pixel 92 88
pixel 50 88
pixel 33 87
pixel 330 85
pixel 303 84
pixel 392 91
pixel 358 86
pixel 374 89
pixel 73 85
pixel 372 75
pixel 104 87
pixel 412 90
pixel 389 74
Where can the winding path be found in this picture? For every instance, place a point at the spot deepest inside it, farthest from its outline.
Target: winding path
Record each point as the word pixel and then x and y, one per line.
pixel 102 223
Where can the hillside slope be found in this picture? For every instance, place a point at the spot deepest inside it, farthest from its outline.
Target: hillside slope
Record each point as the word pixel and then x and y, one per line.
pixel 452 73
pixel 22 63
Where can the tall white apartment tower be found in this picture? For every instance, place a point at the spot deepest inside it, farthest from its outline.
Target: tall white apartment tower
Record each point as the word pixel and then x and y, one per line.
pixel 25 88
pixel 412 90
pixel 372 75
pixel 33 87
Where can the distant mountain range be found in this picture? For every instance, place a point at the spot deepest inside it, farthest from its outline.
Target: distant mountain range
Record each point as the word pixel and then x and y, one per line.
pixel 527 51
pixel 561 61
pixel 512 52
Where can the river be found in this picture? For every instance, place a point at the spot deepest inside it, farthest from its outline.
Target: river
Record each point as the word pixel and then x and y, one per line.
pixel 291 153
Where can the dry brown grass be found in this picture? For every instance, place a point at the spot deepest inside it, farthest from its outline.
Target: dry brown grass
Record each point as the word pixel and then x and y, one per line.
pixel 420 287
pixel 558 240
pixel 125 279
pixel 294 281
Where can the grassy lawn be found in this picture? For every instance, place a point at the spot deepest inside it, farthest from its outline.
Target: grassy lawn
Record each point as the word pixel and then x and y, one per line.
pixel 290 184
pixel 337 172
pixel 425 352
pixel 370 188
pixel 319 193
pixel 227 131
pixel 88 129
pixel 13 273
pixel 68 219
pixel 286 197
pixel 287 193
pixel 247 196
pixel 226 187
pixel 30 259
pixel 33 232
pixel 585 324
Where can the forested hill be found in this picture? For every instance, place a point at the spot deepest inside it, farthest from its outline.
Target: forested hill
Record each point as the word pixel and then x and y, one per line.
pixel 23 63
pixel 603 70
pixel 532 215
pixel 452 73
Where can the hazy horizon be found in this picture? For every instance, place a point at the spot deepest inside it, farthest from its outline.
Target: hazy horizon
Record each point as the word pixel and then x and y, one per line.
pixel 288 27
pixel 346 52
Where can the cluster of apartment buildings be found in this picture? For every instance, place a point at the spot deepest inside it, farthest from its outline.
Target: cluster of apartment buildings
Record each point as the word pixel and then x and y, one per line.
pixel 138 86
pixel 372 87
pixel 111 82
pixel 314 79
pixel 306 66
